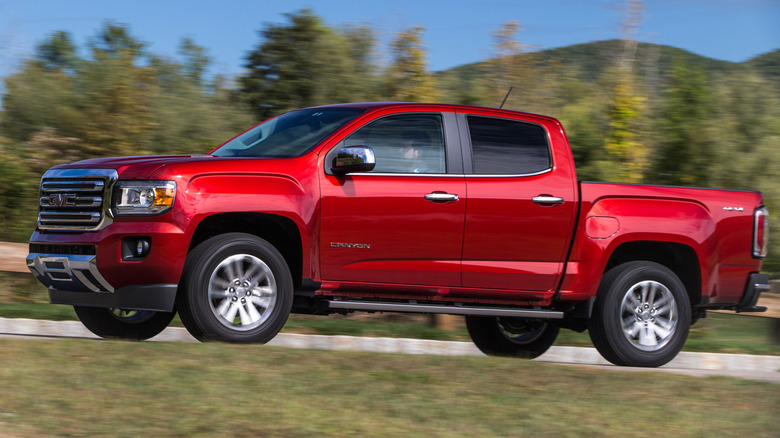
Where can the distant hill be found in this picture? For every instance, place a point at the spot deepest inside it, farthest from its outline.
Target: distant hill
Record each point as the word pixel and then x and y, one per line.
pixel 767 64
pixel 591 60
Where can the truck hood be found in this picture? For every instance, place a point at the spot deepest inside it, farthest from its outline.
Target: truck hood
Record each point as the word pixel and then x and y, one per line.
pixel 141 167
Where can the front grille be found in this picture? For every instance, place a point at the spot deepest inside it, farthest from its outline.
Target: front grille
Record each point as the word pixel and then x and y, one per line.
pixel 75 199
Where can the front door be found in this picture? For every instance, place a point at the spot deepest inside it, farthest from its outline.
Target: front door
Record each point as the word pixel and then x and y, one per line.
pixel 401 223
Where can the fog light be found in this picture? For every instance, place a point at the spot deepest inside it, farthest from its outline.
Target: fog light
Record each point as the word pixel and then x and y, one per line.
pixel 142 248
pixel 135 248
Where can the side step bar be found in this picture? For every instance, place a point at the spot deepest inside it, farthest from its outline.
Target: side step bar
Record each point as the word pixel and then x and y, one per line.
pixel 450 310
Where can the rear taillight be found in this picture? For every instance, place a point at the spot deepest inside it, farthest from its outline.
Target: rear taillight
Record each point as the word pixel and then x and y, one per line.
pixel 760 232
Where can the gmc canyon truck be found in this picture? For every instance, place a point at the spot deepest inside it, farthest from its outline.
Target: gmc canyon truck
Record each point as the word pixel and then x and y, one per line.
pixel 395 207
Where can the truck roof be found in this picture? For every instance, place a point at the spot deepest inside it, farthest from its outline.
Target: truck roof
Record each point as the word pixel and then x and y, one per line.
pixel 375 106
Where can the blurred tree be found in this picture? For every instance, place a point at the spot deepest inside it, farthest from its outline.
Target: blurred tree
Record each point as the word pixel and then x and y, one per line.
pixel 626 157
pixel 192 115
pixel 510 68
pixel 58 53
pixel 744 144
pixel 117 86
pixel 44 92
pixel 361 48
pixel 408 79
pixel 583 110
pixel 303 64
pixel 195 61
pixel 119 101
pixel 682 158
pixel 18 195
pixel 744 118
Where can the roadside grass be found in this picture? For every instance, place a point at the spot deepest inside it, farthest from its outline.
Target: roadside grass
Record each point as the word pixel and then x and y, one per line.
pixel 21 296
pixel 77 387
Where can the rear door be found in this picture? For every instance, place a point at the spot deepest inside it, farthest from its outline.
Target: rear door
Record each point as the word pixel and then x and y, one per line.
pixel 402 223
pixel 522 203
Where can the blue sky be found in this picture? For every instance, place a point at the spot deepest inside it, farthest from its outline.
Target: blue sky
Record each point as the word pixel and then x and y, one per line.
pixel 457 31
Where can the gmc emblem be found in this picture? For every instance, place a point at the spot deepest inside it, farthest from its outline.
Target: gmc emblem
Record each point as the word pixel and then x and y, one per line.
pixel 62 200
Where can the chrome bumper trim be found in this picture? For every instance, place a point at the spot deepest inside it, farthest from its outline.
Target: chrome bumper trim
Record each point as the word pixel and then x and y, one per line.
pixel 77 273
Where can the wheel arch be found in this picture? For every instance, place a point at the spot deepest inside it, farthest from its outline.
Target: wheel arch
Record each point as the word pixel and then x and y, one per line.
pixel 279 231
pixel 677 257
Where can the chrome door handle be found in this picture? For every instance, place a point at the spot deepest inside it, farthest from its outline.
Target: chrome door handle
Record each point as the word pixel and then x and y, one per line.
pixel 547 200
pixel 440 197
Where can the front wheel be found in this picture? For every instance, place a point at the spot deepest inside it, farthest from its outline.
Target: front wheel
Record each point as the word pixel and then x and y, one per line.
pixel 641 315
pixel 515 337
pixel 134 325
pixel 237 288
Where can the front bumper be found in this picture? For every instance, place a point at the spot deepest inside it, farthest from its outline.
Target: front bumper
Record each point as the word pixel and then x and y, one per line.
pixel 76 280
pixel 68 272
pixel 155 297
pixel 91 269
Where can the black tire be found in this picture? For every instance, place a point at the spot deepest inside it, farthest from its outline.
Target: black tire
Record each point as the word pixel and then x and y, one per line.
pixel 513 337
pixel 135 325
pixel 235 287
pixel 185 315
pixel 641 316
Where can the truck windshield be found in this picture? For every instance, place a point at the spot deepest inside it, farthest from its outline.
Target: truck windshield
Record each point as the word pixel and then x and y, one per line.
pixel 289 135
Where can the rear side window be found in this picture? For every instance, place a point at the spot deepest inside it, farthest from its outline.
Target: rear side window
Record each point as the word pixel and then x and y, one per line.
pixel 508 147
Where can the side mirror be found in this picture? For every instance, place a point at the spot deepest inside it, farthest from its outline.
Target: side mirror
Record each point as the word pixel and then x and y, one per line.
pixel 353 159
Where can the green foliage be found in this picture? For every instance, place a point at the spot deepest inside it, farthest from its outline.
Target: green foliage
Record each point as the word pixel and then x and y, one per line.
pixel 625 155
pixel 60 108
pixel 408 79
pixel 18 186
pixel 58 52
pixel 305 63
pixel 767 65
pixel 682 158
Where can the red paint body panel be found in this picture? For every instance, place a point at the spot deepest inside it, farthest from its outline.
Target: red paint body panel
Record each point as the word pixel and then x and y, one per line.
pixel 376 236
pixel 410 240
pixel 163 265
pixel 692 217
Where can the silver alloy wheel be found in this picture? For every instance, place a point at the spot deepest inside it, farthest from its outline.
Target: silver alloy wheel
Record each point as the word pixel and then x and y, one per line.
pixel 649 315
pixel 242 292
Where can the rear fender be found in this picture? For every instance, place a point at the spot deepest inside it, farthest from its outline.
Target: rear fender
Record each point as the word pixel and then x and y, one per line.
pixel 612 222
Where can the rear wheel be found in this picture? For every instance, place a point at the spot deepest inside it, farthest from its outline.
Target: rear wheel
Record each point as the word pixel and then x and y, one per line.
pixel 237 288
pixel 515 337
pixel 641 315
pixel 123 324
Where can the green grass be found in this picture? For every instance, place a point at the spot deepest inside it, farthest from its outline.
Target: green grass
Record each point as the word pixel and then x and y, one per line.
pixel 106 388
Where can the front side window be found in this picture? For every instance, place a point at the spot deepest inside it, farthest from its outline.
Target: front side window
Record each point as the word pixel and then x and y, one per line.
pixel 291 134
pixel 508 147
pixel 409 143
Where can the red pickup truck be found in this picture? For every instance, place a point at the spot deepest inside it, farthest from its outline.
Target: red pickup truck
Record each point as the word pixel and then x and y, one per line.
pixel 395 207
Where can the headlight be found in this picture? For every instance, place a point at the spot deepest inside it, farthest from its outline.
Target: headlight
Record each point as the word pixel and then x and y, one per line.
pixel 142 197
